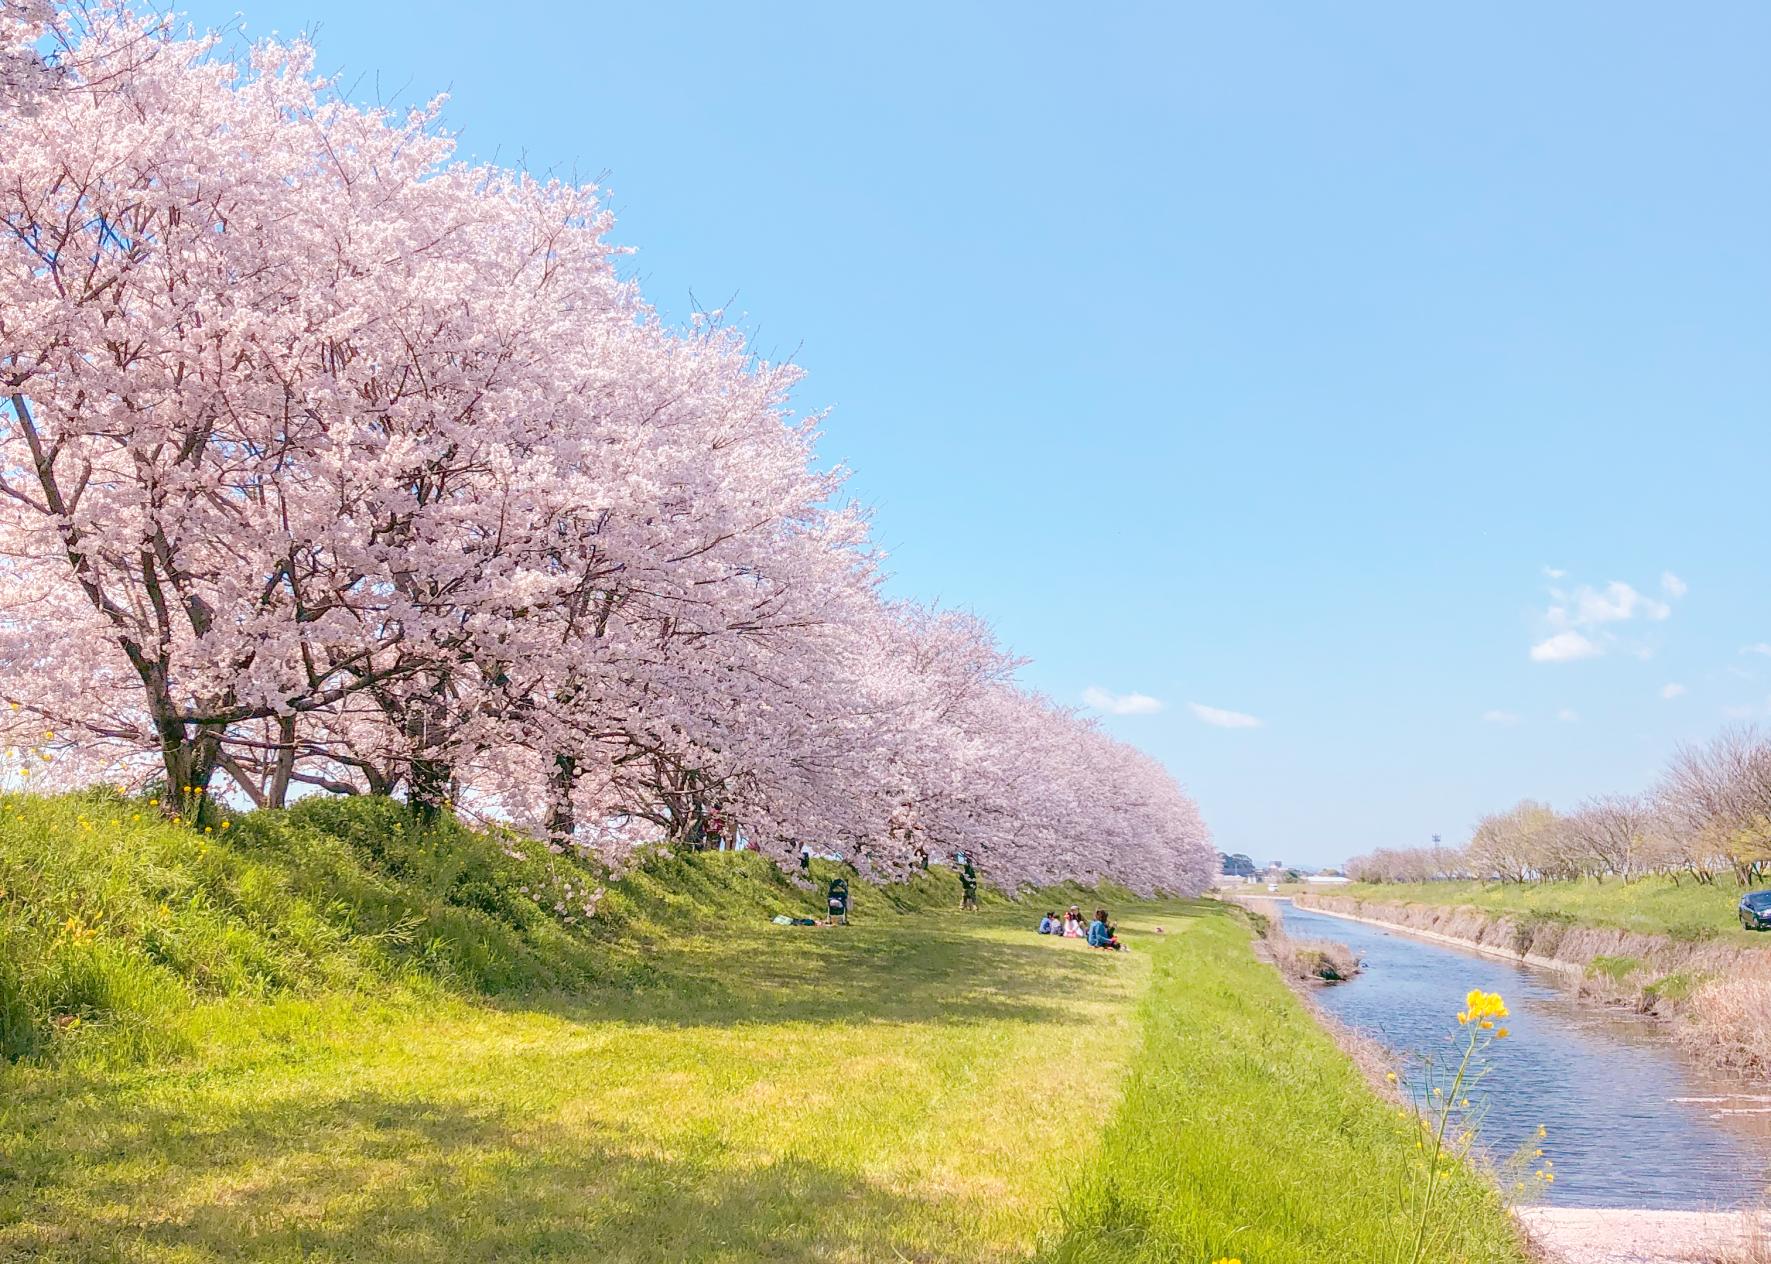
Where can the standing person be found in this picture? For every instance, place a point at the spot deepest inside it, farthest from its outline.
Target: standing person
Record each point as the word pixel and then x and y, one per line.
pixel 968 886
pixel 805 858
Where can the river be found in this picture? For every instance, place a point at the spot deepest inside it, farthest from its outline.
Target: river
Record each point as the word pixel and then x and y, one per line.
pixel 1632 1121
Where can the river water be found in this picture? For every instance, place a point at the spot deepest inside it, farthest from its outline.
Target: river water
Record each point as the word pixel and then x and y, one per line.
pixel 1632 1121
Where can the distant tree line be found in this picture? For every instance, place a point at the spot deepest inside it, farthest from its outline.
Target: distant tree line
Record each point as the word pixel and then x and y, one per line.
pixel 1708 817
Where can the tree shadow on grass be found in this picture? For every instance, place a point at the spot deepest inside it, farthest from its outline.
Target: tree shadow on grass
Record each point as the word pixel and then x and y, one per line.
pixel 386 1179
pixel 939 970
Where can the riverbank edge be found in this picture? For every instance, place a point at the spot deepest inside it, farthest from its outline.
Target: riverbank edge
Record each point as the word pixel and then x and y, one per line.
pixel 1371 1058
pixel 1548 1235
pixel 1698 990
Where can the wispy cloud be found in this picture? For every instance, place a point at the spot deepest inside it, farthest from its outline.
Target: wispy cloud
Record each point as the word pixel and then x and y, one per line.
pixel 1617 602
pixel 1579 620
pixel 1223 719
pixel 1672 690
pixel 1121 703
pixel 1554 572
pixel 1564 647
pixel 1568 715
pixel 1761 647
pixel 1500 717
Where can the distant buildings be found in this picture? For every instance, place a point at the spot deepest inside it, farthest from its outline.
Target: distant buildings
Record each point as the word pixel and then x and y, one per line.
pixel 1238 871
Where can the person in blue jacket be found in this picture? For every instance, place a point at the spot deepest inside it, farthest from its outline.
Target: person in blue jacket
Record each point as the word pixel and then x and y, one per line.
pixel 1049 924
pixel 1100 935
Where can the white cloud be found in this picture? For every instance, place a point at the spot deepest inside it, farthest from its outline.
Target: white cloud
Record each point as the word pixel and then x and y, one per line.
pixel 1762 647
pixel 1671 691
pixel 1578 620
pixel 1564 647
pixel 1553 572
pixel 1500 717
pixel 1568 715
pixel 1121 703
pixel 1223 719
pixel 1615 603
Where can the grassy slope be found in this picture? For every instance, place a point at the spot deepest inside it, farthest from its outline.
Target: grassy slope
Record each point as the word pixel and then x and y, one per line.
pixel 1652 906
pixel 315 1037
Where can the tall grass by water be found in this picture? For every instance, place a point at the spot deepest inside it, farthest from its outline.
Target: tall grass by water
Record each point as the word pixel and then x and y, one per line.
pixel 1244 1133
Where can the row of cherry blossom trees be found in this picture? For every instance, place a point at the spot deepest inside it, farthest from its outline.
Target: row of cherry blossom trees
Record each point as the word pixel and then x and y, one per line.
pixel 330 462
pixel 1709 816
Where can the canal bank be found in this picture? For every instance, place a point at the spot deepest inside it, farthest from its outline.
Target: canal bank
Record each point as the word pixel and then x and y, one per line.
pixel 1632 1119
pixel 1711 993
pixel 1656 1155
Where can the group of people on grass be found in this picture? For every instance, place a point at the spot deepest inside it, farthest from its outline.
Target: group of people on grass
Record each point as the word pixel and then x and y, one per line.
pixel 1099 933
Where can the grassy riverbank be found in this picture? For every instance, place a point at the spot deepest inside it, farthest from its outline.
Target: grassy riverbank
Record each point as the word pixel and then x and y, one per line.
pixel 1245 1133
pixel 1647 906
pixel 321 1036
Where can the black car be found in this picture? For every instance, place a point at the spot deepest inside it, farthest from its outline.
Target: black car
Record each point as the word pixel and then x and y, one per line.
pixel 1755 910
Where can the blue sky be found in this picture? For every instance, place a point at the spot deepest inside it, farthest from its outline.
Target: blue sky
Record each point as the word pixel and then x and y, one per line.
pixel 1256 358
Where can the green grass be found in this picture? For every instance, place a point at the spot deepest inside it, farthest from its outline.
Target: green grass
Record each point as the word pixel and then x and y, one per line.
pixel 1652 906
pixel 326 1036
pixel 1245 1133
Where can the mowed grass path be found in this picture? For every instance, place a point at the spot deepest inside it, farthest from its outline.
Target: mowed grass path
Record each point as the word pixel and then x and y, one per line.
pixel 927 1087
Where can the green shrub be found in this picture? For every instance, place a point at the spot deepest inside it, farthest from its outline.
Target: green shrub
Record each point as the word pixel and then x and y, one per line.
pixel 1671 988
pixel 1617 969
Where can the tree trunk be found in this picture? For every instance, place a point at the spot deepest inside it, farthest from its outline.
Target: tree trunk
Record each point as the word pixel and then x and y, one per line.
pixel 285 766
pixel 428 776
pixel 562 818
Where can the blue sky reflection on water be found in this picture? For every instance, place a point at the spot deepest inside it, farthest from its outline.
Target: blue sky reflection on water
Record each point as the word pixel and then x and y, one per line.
pixel 1632 1122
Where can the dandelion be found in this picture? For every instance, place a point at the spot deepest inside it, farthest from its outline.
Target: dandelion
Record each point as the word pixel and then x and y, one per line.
pixel 1390 1076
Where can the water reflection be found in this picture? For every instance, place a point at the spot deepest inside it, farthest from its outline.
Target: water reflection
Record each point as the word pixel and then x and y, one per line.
pixel 1632 1121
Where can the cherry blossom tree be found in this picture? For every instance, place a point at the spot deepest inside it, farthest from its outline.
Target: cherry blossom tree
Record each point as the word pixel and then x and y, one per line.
pixel 330 463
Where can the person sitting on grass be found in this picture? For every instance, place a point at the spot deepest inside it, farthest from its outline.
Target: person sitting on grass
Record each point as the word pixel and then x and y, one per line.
pixel 1073 923
pixel 1100 935
pixel 1048 925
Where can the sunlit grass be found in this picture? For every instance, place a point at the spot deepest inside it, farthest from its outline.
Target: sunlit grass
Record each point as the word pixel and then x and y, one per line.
pixel 1246 1134
pixel 325 1038
pixel 870 1093
pixel 1651 906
